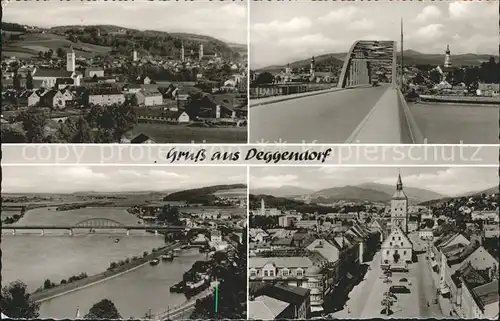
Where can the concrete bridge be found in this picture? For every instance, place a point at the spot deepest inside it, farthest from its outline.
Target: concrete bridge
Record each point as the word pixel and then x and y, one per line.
pixel 355 111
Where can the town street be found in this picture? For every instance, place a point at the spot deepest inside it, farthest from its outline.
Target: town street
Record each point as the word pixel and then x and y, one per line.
pixel 365 299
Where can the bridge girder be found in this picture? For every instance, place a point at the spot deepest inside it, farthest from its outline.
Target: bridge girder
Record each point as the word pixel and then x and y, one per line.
pixel 98 223
pixel 356 69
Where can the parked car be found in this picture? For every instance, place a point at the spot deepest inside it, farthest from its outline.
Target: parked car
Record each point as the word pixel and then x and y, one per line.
pixel 403 280
pixel 399 289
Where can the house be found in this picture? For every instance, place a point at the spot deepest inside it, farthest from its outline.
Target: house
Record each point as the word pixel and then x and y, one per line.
pixel 103 96
pixel 178 117
pixel 216 236
pixel 142 139
pixel 288 220
pixel 49 76
pixel 396 248
pixel 280 302
pixel 479 295
pixel 145 80
pixel 55 99
pixel 62 83
pixel 94 71
pixel 305 272
pixel 426 234
pixel 149 97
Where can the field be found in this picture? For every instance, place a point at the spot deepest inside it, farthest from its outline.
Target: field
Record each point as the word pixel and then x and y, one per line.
pixel 161 133
pixel 231 192
pixel 32 43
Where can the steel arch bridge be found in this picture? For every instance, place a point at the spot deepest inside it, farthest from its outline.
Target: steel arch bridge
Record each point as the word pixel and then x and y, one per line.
pixel 357 68
pixel 99 223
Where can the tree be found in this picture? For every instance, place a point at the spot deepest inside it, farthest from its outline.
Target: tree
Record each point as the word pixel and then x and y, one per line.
pixel 29 81
pixel 104 309
pixel 17 81
pixel 13 135
pixel 33 123
pixel 60 53
pixel 16 302
pixel 83 132
pixel 264 78
pixel 169 214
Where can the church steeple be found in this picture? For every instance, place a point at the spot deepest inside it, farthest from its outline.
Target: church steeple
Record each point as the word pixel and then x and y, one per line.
pixel 448 49
pixel 399 184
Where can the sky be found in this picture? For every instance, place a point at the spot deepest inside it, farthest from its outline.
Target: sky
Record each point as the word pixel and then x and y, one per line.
pixel 69 179
pixel 283 32
pixel 449 181
pixel 222 20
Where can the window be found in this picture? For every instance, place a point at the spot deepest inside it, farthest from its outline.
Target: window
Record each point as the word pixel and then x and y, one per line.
pixel 404 252
pixel 390 243
pixel 387 252
pixel 271 273
pixel 401 243
pixel 299 283
pixel 299 272
pixel 399 238
pixel 266 273
pixel 284 272
pixel 393 238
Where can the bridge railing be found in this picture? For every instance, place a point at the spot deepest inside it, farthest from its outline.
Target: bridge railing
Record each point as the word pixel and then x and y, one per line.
pixel 410 130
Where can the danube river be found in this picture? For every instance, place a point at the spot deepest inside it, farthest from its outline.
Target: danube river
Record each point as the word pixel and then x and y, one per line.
pixel 33 258
pixel 443 123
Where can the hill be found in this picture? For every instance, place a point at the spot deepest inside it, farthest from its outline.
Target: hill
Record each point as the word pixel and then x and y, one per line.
pixel 350 193
pixel 202 195
pixel 488 191
pixel 100 39
pixel 414 194
pixel 283 191
pixel 372 192
pixel 321 62
pixel 286 204
pixel 410 57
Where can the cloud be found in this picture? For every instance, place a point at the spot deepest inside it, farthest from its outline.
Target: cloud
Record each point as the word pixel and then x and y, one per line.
pixel 68 179
pixel 466 10
pixel 273 181
pixel 429 13
pixel 343 14
pixel 308 41
pixel 293 25
pixel 428 33
pixel 363 24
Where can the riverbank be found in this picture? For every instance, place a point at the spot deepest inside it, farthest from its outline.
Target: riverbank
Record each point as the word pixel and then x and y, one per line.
pixel 467 100
pixel 63 289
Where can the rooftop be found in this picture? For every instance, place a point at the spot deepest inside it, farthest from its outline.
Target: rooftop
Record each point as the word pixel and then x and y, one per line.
pixel 487 293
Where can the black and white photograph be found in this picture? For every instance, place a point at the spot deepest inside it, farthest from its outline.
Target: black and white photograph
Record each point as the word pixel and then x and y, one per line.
pixel 373 242
pixel 124 243
pixel 124 72
pixel 393 72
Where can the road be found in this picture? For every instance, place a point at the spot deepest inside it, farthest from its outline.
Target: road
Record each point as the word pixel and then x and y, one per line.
pixel 365 299
pixel 324 118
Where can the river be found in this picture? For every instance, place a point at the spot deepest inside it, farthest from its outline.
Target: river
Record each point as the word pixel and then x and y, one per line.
pixel 33 258
pixel 443 123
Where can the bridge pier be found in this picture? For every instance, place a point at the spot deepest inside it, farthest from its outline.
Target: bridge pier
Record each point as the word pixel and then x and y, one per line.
pixel 14 232
pixel 128 232
pixel 70 232
pixel 156 232
pixel 42 232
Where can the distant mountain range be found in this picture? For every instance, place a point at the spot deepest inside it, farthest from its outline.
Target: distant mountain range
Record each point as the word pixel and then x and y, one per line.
pixel 283 191
pixel 410 57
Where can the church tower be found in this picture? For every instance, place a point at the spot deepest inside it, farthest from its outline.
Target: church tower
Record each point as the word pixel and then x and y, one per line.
pixel 70 60
pixel 182 52
pixel 399 208
pixel 134 55
pixel 447 59
pixel 262 207
pixel 201 52
pixel 311 69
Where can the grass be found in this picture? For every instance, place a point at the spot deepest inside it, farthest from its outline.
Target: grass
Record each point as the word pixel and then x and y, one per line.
pixel 162 133
pixel 32 43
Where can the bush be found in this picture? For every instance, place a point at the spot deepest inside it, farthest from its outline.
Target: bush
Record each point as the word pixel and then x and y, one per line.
pixel 63 281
